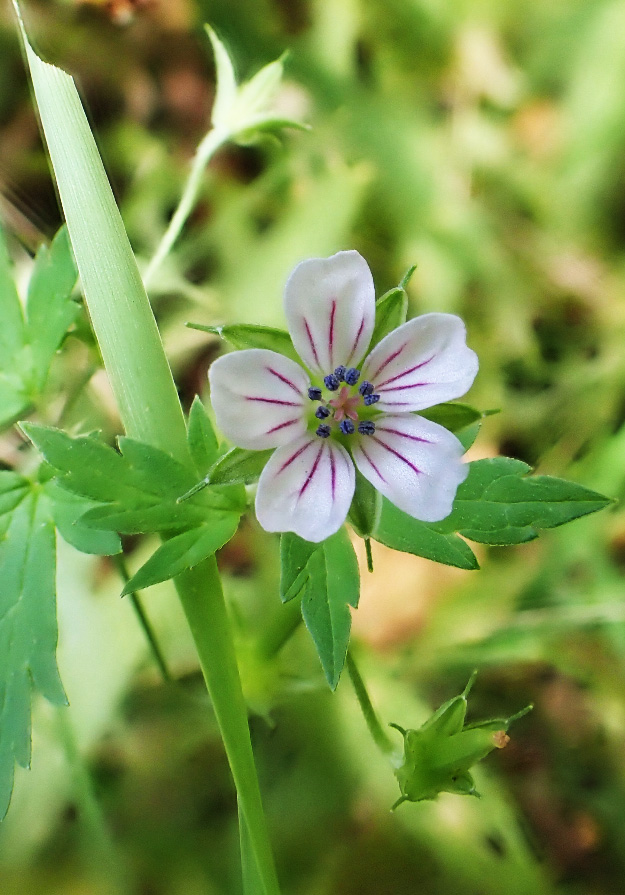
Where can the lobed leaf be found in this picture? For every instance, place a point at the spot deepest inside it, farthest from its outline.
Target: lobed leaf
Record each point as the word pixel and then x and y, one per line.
pixel 28 630
pixel 327 577
pixel 247 335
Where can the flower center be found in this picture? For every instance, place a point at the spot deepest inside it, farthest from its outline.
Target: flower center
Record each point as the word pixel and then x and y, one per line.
pixel 342 412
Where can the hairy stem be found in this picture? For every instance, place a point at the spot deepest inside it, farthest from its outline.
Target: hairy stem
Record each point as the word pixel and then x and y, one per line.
pixel 205 151
pixel 379 735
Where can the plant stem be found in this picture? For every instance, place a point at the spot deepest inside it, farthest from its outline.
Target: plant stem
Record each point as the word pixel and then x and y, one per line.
pixel 205 151
pixel 104 851
pixel 380 737
pixel 203 601
pixel 369 554
pixel 144 621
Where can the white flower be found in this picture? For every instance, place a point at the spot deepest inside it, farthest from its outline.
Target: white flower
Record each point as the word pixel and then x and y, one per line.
pixel 338 410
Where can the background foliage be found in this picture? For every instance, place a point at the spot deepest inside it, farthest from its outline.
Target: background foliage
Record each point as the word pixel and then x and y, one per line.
pixel 486 143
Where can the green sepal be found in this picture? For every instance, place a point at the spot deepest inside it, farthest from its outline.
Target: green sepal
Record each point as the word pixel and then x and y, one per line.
pixel 327 578
pixel 201 437
pixel 243 335
pixel 366 507
pixel 438 756
pixel 238 466
pixel 390 312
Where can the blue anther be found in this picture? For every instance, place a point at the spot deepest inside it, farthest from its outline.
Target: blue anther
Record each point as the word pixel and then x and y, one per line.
pixel 347 427
pixel 322 413
pixel 314 393
pixel 352 376
pixel 366 427
pixel 371 399
pixel 365 388
pixel 331 382
pixel 340 373
pixel 323 431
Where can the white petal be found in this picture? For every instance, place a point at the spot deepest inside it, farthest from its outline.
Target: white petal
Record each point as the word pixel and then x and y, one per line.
pixel 330 309
pixel 414 462
pixel 421 363
pixel 260 398
pixel 306 487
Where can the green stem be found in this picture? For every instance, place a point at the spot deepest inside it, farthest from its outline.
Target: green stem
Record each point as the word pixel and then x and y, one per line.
pixel 203 601
pixel 144 621
pixel 369 554
pixel 205 151
pixel 380 737
pixel 104 854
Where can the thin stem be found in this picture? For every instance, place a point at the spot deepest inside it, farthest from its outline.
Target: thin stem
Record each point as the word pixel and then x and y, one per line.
pixel 369 554
pixel 144 621
pixel 205 151
pixel 203 602
pixel 104 851
pixel 380 737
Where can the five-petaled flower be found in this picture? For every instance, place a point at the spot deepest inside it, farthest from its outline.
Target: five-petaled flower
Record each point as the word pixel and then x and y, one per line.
pixel 338 410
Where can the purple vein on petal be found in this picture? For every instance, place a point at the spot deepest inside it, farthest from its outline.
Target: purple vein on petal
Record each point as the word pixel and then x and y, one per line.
pixel 312 341
pixel 370 461
pixel 401 388
pixel 385 363
pixel 332 473
pixel 356 340
pixel 271 401
pixel 331 333
pixel 399 456
pixel 405 372
pixel 380 428
pixel 283 379
pixel 312 472
pixel 281 426
pixel 294 456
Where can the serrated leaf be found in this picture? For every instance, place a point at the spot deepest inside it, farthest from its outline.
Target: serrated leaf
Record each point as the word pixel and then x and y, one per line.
pixel 327 576
pixel 28 631
pixel 184 551
pixel 390 312
pixel 201 437
pixel 242 335
pixel 239 466
pixel 499 503
pixel 50 310
pixel 67 509
pixel 139 486
pixel 401 532
pixel 12 490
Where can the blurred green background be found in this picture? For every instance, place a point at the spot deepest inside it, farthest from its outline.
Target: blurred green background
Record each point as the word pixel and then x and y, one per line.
pixel 485 142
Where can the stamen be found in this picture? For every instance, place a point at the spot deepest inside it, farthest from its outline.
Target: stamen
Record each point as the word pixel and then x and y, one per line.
pixel 314 393
pixel 340 373
pixel 322 413
pixel 331 382
pixel 366 427
pixel 352 376
pixel 323 431
pixel 371 399
pixel 347 427
pixel 365 388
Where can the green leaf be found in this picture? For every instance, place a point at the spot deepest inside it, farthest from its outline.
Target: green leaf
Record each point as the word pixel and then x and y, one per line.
pixel 327 576
pixel 184 551
pixel 12 329
pixel 140 486
pixel 500 504
pixel 239 466
pixel 401 532
pixel 28 631
pixel 452 416
pixel 242 335
pixel 67 510
pixel 50 310
pixel 390 312
pixel 201 437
